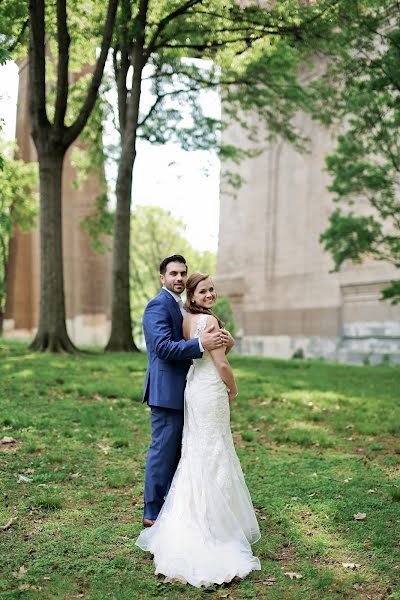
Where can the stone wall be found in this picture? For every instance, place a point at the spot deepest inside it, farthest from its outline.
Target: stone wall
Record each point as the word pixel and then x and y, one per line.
pixel 272 266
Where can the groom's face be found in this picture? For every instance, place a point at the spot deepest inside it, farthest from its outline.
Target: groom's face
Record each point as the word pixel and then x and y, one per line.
pixel 175 277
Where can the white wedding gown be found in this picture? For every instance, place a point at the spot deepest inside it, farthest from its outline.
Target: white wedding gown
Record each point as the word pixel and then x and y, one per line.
pixel 203 533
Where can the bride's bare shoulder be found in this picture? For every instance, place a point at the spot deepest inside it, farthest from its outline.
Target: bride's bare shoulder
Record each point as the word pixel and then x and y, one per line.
pixel 211 320
pixel 186 325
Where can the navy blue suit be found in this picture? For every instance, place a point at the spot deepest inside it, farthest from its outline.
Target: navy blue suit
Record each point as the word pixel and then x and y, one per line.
pixel 169 357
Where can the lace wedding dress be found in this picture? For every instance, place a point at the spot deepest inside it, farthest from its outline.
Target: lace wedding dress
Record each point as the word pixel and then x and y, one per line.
pixel 203 533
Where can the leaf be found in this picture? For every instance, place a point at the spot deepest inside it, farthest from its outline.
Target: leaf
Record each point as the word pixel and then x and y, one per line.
pixel 268 581
pixel 360 516
pixel 104 448
pixel 350 565
pixel 21 572
pixel 24 479
pixel 293 575
pixel 8 440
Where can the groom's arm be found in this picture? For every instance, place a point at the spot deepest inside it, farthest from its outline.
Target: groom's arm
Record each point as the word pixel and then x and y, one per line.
pixel 158 331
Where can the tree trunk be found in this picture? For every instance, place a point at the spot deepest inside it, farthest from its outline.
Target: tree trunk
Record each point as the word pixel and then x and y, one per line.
pixel 121 338
pixel 52 333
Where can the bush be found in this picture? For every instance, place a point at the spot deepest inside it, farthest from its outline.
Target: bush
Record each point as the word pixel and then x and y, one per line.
pixel 223 309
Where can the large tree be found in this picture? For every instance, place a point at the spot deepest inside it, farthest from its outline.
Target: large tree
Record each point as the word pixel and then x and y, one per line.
pixel 255 49
pixel 360 94
pixel 53 132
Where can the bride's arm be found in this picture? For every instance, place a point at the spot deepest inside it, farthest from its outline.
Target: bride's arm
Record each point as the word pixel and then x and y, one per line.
pixel 223 367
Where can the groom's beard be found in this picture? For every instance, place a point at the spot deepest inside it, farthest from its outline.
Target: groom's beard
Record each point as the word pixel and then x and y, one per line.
pixel 177 288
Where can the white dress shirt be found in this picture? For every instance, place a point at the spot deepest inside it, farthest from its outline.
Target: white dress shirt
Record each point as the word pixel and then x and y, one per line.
pixel 178 299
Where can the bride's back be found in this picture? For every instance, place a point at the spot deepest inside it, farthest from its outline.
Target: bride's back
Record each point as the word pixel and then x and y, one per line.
pixel 191 325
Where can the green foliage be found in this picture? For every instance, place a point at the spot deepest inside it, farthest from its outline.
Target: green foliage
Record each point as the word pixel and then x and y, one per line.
pixel 13 29
pixel 361 89
pixel 155 234
pixel 18 206
pixel 350 237
pixel 99 225
pixel 318 443
pixel 223 309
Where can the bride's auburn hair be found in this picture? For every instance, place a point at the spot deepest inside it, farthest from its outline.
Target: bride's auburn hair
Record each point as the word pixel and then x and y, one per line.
pixel 190 306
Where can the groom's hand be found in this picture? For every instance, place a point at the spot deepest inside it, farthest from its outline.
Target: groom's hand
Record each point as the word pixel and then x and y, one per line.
pixel 210 339
pixel 230 343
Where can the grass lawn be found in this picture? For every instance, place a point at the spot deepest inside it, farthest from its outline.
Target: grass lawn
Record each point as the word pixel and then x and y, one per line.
pixel 318 442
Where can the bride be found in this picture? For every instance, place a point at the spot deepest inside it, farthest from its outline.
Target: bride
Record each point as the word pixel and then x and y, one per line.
pixel 203 533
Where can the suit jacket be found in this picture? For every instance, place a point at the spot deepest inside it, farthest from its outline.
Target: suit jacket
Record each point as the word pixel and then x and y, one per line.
pixel 169 355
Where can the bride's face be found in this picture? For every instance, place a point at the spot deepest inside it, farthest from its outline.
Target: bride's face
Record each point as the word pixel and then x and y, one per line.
pixel 205 295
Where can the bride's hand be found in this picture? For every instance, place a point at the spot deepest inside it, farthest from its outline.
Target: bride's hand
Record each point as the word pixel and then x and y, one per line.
pixel 232 395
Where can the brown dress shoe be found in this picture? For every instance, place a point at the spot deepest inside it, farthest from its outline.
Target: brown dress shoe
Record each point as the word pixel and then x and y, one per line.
pixel 148 522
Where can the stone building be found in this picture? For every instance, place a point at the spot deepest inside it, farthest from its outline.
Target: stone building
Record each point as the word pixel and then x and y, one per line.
pixel 272 266
pixel 87 275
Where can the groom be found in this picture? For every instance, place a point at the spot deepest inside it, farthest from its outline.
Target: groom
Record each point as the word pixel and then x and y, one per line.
pixel 169 358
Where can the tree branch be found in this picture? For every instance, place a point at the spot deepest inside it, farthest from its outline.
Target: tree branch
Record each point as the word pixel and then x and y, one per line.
pixel 63 42
pixel 121 69
pixel 160 98
pixel 72 132
pixel 37 68
pixel 164 22
pixel 139 60
pixel 15 43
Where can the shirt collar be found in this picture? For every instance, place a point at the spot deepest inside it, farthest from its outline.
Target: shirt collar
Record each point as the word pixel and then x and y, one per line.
pixel 175 296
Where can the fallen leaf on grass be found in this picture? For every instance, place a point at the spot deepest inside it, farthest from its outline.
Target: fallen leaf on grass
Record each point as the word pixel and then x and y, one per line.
pixel 360 516
pixel 350 565
pixel 24 479
pixel 268 581
pixel 293 575
pixel 21 572
pixel 104 448
pixel 8 524
pixel 8 440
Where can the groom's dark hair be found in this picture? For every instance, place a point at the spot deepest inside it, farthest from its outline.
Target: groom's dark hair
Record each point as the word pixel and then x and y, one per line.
pixel 174 258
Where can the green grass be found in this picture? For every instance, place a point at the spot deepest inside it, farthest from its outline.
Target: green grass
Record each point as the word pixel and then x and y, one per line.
pixel 318 443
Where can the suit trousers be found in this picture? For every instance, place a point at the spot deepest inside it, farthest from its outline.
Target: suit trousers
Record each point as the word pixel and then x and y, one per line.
pixel 162 457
